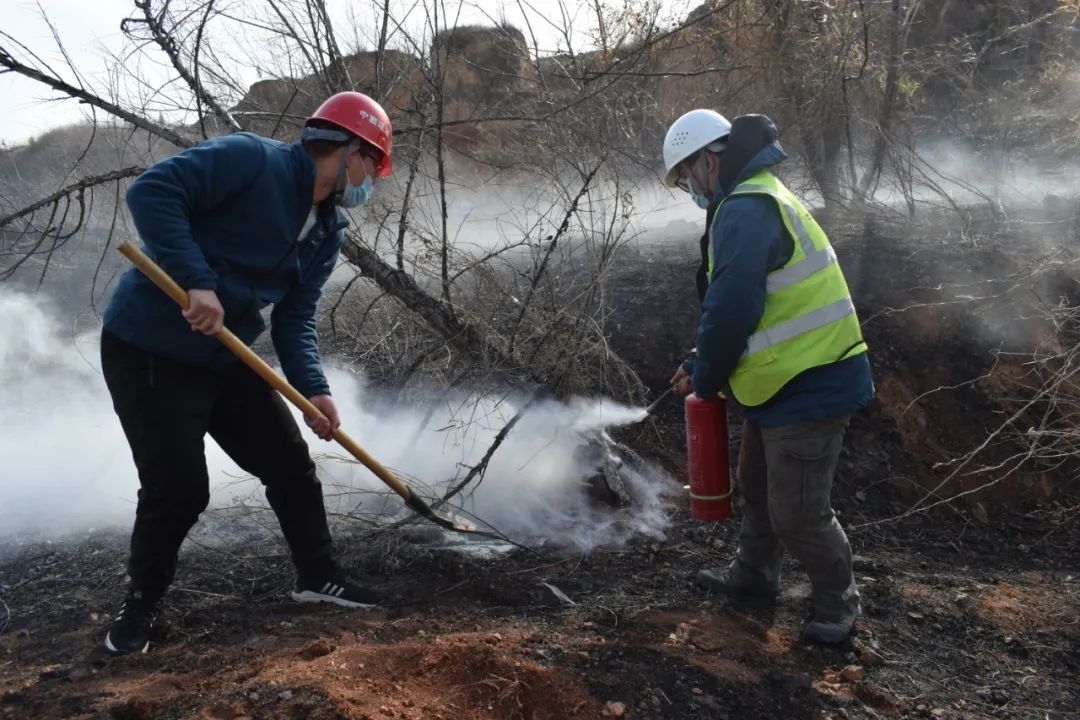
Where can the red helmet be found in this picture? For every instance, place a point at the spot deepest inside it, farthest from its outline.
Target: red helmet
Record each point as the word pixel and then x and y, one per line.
pixel 364 118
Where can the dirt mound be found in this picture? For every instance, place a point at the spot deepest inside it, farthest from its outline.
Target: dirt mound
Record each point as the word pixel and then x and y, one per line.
pixel 462 675
pixel 340 675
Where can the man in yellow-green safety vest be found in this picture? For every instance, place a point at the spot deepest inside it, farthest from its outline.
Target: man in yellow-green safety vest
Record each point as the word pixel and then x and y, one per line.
pixel 779 335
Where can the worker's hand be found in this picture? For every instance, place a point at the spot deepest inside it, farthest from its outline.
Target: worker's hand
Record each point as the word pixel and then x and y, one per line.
pixel 330 421
pixel 681 381
pixel 204 312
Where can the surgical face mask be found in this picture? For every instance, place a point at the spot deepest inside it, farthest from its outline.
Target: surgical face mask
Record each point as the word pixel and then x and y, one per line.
pixel 356 195
pixel 702 201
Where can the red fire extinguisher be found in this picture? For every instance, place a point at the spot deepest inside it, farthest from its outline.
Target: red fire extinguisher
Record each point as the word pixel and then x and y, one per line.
pixel 707 458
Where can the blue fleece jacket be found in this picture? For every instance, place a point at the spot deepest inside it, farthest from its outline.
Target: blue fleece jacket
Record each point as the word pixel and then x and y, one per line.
pixel 749 241
pixel 225 216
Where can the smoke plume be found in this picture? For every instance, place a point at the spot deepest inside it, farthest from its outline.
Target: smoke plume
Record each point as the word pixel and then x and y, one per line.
pixel 67 466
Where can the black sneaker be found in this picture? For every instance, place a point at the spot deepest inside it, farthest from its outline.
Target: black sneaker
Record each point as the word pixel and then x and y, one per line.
pixel 131 628
pixel 335 589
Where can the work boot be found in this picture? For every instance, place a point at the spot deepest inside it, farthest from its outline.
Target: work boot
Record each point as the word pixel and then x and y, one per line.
pixel 337 589
pixel 131 628
pixel 738 580
pixel 831 631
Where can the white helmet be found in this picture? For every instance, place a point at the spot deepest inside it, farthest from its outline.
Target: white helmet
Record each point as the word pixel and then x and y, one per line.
pixel 693 131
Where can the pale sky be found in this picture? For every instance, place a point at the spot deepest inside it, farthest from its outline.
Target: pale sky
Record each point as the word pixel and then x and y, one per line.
pixel 90 31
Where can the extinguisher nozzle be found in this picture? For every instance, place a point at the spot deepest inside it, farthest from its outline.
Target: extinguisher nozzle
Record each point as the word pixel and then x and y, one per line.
pixel 656 403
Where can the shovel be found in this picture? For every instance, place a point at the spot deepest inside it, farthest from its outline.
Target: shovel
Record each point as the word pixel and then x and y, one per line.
pixel 160 278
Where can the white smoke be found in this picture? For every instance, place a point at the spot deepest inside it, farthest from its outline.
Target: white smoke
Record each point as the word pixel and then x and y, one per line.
pixel 67 467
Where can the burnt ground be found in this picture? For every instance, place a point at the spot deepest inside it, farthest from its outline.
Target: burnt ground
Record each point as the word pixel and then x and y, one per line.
pixel 959 624
pixel 971 609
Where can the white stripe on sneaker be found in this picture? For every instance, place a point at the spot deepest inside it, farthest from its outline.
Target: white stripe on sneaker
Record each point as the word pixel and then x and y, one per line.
pixel 325 588
pixel 339 591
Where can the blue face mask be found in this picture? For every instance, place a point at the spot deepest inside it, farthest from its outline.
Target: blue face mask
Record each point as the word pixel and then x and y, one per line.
pixel 356 195
pixel 702 201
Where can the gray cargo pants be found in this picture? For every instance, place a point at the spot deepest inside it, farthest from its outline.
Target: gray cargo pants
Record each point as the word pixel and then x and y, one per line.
pixel 785 476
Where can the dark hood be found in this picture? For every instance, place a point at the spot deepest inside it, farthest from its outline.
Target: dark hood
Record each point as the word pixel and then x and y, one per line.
pixel 751 147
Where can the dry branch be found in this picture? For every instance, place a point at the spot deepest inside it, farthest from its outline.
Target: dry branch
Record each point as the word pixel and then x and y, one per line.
pixel 9 62
pixel 155 24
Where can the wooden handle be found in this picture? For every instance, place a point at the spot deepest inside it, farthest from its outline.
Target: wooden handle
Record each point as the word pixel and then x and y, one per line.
pixel 161 278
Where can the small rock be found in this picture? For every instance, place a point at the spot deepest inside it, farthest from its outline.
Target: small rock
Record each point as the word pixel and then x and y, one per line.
pixel 386 711
pixel 870 656
pixel 285 695
pixel 917 617
pixel 54 672
pixel 317 649
pixel 407 702
pixel 614 709
pixel 697 691
pixel 852 673
pixel 23 634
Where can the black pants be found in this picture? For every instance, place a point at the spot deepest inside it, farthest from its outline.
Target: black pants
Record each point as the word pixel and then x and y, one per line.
pixel 166 409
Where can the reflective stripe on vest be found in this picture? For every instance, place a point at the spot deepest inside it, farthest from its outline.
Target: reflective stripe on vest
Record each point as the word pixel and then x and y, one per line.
pixel 777 334
pixel 809 318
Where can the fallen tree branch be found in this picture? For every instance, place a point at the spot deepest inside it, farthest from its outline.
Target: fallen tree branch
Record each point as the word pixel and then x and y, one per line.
pixel 81 185
pixel 402 286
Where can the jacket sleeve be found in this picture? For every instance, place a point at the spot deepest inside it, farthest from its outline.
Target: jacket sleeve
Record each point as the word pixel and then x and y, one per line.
pixel 292 328
pixel 165 198
pixel 748 241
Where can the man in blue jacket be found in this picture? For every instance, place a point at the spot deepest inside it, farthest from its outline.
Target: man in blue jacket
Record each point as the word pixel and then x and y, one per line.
pixel 779 335
pixel 242 222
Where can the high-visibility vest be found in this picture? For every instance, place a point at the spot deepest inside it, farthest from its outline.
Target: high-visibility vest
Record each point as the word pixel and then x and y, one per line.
pixel 809 319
